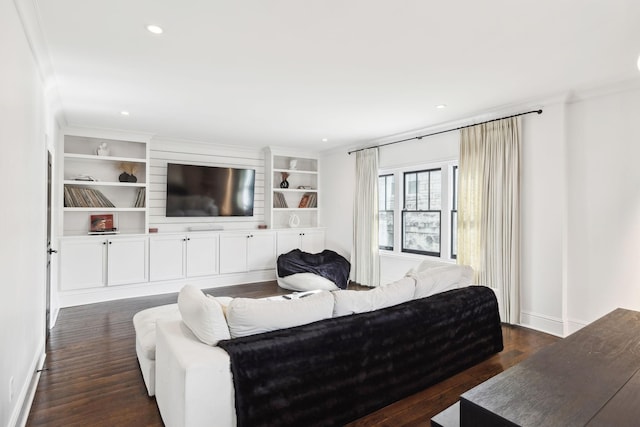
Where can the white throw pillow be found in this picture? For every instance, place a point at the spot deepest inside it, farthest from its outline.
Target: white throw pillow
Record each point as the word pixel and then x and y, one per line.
pixel 247 316
pixel 352 302
pixel 439 279
pixel 202 315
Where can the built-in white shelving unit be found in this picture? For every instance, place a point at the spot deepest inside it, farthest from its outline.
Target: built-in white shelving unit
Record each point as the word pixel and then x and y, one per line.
pixel 299 197
pixel 91 184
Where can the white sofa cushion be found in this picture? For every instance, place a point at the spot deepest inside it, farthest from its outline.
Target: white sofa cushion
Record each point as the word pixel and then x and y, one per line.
pixel 432 278
pixel 352 302
pixel 202 315
pixel 247 316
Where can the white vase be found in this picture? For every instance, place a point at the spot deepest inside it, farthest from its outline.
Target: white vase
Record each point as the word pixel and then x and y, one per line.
pixel 294 220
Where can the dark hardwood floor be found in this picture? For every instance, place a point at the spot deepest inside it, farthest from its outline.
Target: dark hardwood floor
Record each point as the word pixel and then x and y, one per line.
pixel 92 378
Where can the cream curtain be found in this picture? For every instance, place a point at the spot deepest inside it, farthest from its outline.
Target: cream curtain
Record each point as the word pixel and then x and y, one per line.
pixel 489 209
pixel 365 262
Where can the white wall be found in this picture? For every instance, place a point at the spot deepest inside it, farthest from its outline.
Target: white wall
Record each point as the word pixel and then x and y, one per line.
pixel 23 216
pixel 604 205
pixel 337 183
pixel 542 213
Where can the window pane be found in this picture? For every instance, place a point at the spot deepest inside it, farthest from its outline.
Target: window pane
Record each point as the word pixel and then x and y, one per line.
pixel 423 191
pixel 421 232
pixel 385 227
pixel 381 193
pixel 435 190
pixel 454 234
pixel 455 188
pixel 410 191
pixel 391 190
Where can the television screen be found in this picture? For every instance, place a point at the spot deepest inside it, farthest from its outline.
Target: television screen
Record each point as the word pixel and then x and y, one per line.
pixel 209 191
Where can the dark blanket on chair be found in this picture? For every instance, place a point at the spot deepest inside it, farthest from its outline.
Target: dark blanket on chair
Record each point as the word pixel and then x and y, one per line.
pixel 334 371
pixel 327 264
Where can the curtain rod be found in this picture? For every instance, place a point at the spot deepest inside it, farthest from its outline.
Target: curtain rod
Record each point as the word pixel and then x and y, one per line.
pixel 445 131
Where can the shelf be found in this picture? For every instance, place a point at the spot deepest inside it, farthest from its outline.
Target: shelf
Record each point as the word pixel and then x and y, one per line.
pixel 295 190
pixel 295 209
pixel 103 158
pixel 105 183
pixel 98 208
pixel 296 171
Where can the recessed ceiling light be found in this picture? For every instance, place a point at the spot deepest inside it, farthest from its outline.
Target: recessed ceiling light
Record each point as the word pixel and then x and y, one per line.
pixel 155 29
pixel 324 139
pixel 124 113
pixel 441 106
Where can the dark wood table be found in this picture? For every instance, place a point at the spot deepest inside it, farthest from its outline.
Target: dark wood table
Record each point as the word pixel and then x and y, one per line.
pixel 590 378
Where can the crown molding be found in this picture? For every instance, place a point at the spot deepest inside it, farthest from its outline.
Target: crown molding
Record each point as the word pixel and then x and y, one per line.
pixel 29 15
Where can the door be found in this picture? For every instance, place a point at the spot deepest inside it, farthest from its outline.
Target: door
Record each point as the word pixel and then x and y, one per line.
pixel 82 263
pixel 127 260
pixel 233 253
pixel 288 241
pixel 261 252
pixel 50 250
pixel 166 257
pixel 312 241
pixel 202 255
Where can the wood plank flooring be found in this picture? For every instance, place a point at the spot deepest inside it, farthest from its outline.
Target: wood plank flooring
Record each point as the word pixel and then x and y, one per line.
pixel 92 378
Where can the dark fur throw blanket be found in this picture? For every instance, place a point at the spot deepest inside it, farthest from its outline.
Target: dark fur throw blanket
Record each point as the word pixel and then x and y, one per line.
pixel 337 370
pixel 327 264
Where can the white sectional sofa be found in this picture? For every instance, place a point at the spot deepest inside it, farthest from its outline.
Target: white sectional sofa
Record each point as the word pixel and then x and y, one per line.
pixel 194 385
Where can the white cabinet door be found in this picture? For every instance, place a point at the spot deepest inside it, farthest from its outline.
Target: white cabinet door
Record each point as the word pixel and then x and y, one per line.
pixel 82 263
pixel 166 257
pixel 233 253
pixel 126 260
pixel 312 241
pixel 261 253
pixel 307 240
pixel 202 255
pixel 288 241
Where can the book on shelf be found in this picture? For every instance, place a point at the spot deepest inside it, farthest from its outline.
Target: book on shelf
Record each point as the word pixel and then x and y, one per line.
pixel 140 198
pixel 279 200
pixel 85 197
pixel 309 200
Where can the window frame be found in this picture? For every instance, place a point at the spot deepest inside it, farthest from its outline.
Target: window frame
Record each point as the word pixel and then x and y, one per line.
pixel 446 202
pixel 406 211
pixel 393 212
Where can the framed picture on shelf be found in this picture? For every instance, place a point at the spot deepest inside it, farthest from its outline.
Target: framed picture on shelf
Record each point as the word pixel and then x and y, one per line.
pixel 101 223
pixel 304 201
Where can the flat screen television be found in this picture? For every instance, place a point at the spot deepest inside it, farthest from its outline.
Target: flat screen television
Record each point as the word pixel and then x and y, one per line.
pixel 209 191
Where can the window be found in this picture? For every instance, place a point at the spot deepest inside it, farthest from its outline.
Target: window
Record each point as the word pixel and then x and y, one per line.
pixel 426 207
pixel 454 215
pixel 386 202
pixel 421 213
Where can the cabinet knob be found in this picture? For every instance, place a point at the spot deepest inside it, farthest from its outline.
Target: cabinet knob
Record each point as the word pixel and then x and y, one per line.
pixel 104 243
pixel 110 242
pixel 188 238
pixel 184 240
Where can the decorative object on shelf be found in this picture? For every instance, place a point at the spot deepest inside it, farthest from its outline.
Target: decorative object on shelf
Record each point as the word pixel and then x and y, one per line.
pixel 153 230
pixel 304 201
pixel 284 183
pixel 262 226
pixel 102 223
pixel 294 220
pixel 293 163
pixel 84 178
pixel 103 149
pixel 128 169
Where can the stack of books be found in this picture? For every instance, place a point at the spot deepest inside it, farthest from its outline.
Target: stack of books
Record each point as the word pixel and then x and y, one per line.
pixel 309 200
pixel 85 197
pixel 140 198
pixel 279 201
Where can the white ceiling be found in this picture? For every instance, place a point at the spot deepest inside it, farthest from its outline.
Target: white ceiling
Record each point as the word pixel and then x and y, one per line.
pixel 291 72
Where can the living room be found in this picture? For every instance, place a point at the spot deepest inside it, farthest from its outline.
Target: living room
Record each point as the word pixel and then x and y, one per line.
pixel 579 217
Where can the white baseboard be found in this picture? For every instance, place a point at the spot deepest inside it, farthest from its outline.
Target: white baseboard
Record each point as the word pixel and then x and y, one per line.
pixel 27 393
pixel 543 323
pixel 110 293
